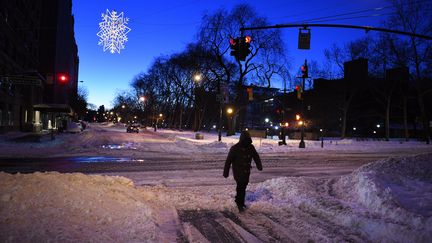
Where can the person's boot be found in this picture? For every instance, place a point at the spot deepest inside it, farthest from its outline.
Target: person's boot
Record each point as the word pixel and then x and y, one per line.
pixel 241 208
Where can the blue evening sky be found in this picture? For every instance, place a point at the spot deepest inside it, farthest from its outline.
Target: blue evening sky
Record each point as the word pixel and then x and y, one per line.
pixel 165 27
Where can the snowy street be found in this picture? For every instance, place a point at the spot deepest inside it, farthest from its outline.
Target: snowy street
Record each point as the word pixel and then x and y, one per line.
pixel 165 186
pixel 180 160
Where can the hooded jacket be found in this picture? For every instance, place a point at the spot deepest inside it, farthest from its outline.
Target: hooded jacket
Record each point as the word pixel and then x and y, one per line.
pixel 240 156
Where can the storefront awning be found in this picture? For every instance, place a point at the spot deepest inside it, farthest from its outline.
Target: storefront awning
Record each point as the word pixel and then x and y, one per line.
pixel 53 108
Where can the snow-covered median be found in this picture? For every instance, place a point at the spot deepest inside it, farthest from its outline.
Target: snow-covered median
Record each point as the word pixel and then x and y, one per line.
pixel 385 201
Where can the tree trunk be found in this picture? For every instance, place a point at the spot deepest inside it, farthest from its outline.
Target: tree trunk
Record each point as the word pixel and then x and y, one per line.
pixel 425 120
pixel 345 115
pixel 344 121
pixel 387 119
pixel 405 117
pixel 181 117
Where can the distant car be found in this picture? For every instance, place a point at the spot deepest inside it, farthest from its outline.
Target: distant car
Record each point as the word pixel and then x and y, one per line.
pixel 133 128
pixel 74 127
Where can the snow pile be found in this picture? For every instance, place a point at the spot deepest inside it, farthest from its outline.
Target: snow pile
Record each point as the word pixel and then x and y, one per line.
pixel 399 190
pixel 283 190
pixel 387 200
pixel 74 207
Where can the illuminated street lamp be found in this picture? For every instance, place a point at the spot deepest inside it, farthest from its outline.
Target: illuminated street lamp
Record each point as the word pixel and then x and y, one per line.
pixel 123 106
pixel 230 112
pixel 157 120
pixel 266 120
pixel 322 138
pixel 142 100
pixel 197 77
pixel 197 101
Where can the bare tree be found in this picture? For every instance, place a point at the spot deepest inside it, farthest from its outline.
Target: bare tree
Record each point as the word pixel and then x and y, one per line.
pixel 218 28
pixel 415 17
pixel 79 102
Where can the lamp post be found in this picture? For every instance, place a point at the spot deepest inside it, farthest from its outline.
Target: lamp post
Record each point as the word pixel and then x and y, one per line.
pixel 157 120
pixel 197 79
pixel 142 100
pixel 322 138
pixel 230 112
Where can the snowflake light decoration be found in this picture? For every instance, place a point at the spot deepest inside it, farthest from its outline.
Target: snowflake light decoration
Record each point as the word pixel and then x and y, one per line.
pixel 113 31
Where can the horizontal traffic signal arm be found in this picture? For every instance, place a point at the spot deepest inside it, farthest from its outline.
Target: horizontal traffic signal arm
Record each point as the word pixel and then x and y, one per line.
pixel 366 28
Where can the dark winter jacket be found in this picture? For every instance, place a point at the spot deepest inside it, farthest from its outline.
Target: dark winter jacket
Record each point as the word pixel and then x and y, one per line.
pixel 240 156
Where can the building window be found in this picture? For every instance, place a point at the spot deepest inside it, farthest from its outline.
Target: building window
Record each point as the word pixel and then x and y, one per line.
pixel 25 116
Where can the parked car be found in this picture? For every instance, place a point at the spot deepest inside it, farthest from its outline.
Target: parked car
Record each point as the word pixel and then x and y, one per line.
pixel 133 128
pixel 74 127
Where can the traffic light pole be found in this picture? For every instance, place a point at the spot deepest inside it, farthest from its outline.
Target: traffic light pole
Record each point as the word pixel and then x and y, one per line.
pixel 366 28
pixel 283 142
pixel 302 142
pixel 220 113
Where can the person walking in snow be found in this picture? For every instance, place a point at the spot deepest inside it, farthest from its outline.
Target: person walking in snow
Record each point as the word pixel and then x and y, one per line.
pixel 240 156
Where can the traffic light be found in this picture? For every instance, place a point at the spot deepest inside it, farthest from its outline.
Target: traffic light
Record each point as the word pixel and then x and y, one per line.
pixel 240 47
pixel 249 90
pixel 299 91
pixel 244 49
pixel 234 45
pixel 63 79
pixel 304 70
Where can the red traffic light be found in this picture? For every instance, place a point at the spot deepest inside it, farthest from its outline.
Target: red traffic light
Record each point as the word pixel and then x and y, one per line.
pixel 299 91
pixel 304 70
pixel 63 78
pixel 232 42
